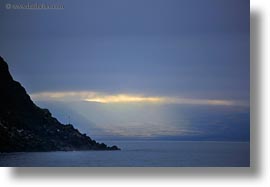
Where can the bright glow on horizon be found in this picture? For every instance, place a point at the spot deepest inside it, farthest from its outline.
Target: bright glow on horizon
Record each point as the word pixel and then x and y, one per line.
pixel 129 98
pixel 122 98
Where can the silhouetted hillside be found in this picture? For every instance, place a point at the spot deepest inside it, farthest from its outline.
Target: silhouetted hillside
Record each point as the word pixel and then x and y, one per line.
pixel 26 127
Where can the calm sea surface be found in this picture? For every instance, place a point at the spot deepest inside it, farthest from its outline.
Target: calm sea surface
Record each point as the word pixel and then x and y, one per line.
pixel 141 153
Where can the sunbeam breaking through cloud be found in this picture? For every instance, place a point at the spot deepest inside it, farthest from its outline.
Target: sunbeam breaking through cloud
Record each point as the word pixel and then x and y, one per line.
pixel 104 98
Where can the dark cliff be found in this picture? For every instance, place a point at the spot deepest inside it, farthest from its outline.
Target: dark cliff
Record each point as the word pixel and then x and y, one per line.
pixel 26 127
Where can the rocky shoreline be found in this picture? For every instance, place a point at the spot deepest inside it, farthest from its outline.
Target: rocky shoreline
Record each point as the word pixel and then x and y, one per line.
pixel 24 127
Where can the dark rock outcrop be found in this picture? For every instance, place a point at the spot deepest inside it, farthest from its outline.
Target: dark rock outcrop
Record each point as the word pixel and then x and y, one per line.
pixel 26 127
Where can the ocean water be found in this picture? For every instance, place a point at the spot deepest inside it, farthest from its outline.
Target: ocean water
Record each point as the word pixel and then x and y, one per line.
pixel 141 154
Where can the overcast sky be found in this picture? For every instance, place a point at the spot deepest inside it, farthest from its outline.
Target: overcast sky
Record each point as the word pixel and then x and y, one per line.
pixel 192 49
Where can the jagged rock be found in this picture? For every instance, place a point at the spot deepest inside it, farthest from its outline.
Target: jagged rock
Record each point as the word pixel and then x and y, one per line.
pixel 26 127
